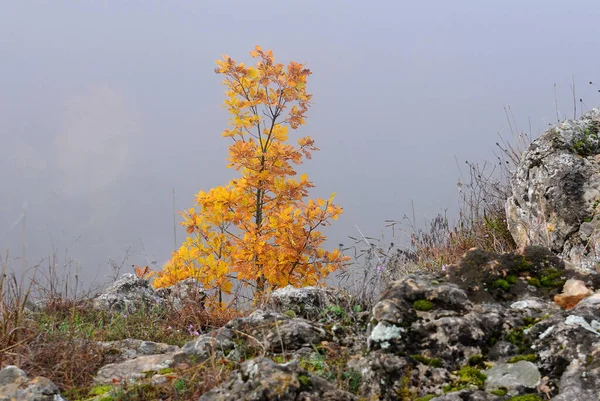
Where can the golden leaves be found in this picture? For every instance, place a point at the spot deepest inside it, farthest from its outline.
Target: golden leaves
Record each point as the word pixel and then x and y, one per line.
pixel 143 273
pixel 258 227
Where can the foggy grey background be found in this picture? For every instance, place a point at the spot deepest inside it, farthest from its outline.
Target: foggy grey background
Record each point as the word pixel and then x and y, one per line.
pixel 107 107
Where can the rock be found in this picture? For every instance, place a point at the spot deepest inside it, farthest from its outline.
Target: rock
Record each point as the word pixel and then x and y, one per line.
pixel 127 294
pixel 556 191
pixel 131 348
pixel 567 346
pixel 184 292
pixel 532 272
pixel 11 374
pixel 512 376
pixel 294 334
pixel 217 343
pixel 427 336
pixel 277 332
pixel 257 320
pixel 382 375
pixel 136 369
pixel 305 302
pixel 532 303
pixel 573 292
pixel 416 287
pixel 502 350
pixel 261 379
pixel 575 386
pixel 451 329
pixel 15 385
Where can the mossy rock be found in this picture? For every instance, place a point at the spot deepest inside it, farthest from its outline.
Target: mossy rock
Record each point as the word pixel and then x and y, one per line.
pixel 489 277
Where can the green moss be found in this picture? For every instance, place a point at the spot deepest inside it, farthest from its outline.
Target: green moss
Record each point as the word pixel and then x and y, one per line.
pixel 502 284
pixel 165 371
pixel 587 141
pixel 423 305
pixel 471 376
pixel 511 279
pixel 450 389
pixel 501 392
pixel 521 264
pixel 467 376
pixel 426 397
pixel 526 397
pixel 403 389
pixel 99 390
pixel 528 357
pixel 476 360
pixel 149 373
pixel 289 313
pixel 534 282
pixel 434 362
pixel 305 380
pixel 551 278
pixel 516 337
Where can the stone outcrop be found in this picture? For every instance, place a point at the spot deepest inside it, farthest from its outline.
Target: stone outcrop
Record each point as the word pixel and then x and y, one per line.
pixel 466 336
pixel 490 328
pixel 556 192
pixel 129 292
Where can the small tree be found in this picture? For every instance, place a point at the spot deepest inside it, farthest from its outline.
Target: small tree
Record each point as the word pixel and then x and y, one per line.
pixel 258 229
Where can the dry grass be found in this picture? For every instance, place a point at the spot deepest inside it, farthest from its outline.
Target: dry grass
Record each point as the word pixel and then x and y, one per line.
pixel 481 223
pixel 59 335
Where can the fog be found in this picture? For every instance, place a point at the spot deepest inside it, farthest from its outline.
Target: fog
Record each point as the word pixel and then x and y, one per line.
pixel 111 111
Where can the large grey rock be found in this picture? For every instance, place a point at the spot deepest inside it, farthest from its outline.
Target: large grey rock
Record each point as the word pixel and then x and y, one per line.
pixel 305 302
pixel 15 385
pixel 278 332
pixel 261 379
pixel 513 376
pixel 556 191
pixel 452 329
pixel 217 343
pixel 294 334
pixel 131 348
pixel 136 369
pixel 127 294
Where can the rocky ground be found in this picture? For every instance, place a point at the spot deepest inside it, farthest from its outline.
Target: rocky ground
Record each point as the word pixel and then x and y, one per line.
pixel 520 326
